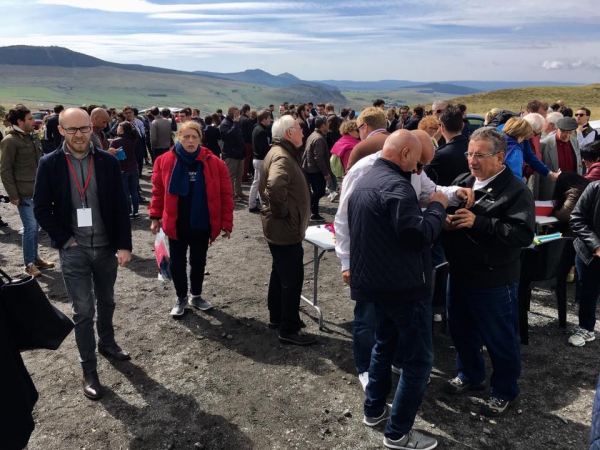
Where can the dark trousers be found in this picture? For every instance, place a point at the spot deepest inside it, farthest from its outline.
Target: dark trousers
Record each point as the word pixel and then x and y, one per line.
pixel 404 322
pixel 589 290
pixel 363 330
pixel 197 241
pixel 86 270
pixel 248 169
pixel 130 185
pixel 285 286
pixel 157 152
pixel 317 185
pixel 490 317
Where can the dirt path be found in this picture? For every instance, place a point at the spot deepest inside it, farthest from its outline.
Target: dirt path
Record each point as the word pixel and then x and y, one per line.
pixel 221 380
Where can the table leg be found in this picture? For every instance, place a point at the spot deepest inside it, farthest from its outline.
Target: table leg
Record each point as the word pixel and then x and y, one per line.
pixel 313 302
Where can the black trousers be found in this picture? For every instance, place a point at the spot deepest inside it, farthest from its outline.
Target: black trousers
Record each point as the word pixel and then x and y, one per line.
pixel 317 185
pixel 285 286
pixel 197 241
pixel 157 152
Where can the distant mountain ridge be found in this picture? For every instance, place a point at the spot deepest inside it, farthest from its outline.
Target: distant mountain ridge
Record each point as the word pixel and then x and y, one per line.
pixel 258 76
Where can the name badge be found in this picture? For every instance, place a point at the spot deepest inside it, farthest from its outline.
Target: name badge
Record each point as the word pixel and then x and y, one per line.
pixel 84 217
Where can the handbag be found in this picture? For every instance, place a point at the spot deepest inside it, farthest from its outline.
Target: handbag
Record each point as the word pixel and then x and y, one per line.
pixel 33 321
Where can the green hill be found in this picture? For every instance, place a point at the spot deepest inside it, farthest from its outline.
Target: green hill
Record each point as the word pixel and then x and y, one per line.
pixel 43 86
pixel 515 99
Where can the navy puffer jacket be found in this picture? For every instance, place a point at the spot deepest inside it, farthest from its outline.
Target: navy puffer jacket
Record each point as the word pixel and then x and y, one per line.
pixel 390 237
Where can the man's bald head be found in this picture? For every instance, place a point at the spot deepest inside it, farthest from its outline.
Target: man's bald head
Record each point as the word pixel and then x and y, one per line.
pixel 75 126
pixel 70 116
pixel 403 149
pixel 427 148
pixel 100 118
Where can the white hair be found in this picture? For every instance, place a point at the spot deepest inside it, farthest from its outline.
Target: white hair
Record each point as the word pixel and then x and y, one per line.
pixel 437 103
pixel 281 125
pixel 553 117
pixel 536 121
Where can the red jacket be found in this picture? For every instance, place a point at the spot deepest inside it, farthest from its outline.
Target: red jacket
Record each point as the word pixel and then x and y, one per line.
pixel 219 193
pixel 593 172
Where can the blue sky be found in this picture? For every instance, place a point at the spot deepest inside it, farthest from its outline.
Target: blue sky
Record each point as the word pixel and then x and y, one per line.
pixel 419 40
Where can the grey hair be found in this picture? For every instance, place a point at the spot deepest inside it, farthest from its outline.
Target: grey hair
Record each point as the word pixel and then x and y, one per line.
pixel 281 125
pixel 437 103
pixel 491 135
pixel 553 117
pixel 536 121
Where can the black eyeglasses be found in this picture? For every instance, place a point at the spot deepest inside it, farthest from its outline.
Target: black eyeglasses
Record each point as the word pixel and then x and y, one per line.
pixel 74 130
pixel 580 115
pixel 439 111
pixel 478 156
pixel 360 126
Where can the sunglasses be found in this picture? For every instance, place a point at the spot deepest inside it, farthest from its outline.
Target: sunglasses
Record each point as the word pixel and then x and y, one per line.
pixel 580 115
pixel 439 111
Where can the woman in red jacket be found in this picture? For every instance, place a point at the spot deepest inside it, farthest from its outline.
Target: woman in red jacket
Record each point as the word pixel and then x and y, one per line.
pixel 192 201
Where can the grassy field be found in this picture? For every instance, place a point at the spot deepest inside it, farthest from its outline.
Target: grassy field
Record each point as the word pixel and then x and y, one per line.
pixel 515 99
pixel 397 98
pixel 39 87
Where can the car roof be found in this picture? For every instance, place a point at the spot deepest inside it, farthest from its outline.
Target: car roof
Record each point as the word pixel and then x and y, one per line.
pixel 595 124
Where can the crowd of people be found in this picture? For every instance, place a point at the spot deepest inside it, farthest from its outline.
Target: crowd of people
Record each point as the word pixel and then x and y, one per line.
pixel 416 190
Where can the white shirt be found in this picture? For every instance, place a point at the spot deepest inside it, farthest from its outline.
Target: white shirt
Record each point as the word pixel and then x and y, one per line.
pixel 423 186
pixel 481 184
pixel 586 140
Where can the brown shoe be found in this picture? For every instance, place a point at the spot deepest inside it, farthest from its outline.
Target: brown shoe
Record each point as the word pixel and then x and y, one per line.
pixel 43 264
pixel 32 270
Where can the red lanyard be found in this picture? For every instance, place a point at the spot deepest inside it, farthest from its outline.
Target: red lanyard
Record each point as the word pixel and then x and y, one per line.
pixel 87 182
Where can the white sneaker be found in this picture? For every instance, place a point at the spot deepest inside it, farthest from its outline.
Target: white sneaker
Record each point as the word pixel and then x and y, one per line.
pixel 581 336
pixel 437 317
pixel 364 379
pixel 21 230
pixel 333 197
pixel 179 308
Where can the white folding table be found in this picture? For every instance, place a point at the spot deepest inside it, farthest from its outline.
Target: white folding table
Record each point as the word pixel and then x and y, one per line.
pixel 322 241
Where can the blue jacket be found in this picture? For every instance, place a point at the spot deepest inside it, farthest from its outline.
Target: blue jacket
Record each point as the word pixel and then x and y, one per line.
pixel 390 238
pixel 517 153
pixel 595 433
pixel 52 199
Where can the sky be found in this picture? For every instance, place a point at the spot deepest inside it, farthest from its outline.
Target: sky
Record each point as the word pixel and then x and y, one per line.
pixel 418 40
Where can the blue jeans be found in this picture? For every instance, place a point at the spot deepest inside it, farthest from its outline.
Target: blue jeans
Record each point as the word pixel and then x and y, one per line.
pixel 130 185
pixel 589 290
pixel 406 322
pixel 365 322
pixel 84 269
pixel 489 317
pixel 30 231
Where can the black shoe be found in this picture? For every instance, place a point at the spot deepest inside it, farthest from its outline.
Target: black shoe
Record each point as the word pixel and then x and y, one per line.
pixel 317 218
pixel 495 407
pixel 298 338
pixel 3 223
pixel 457 386
pixel 143 201
pixel 256 209
pixel 91 385
pixel 113 351
pixel 276 325
pixel 134 216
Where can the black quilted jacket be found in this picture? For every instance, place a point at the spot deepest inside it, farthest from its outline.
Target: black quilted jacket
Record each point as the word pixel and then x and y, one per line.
pixel 390 238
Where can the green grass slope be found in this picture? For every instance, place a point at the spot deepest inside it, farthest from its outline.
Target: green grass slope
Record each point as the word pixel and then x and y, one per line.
pixel 515 99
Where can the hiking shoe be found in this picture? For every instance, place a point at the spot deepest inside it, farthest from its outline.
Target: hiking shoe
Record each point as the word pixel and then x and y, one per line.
pixel 32 270
pixel 495 407
pixel 397 370
pixel 581 336
pixel 364 380
pixel 317 218
pixel 179 308
pixel 298 338
pixel 199 303
pixel 457 386
pixel 43 264
pixel 411 441
pixel 385 415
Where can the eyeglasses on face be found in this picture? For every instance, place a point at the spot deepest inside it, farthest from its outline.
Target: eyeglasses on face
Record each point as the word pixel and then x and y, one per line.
pixel 74 130
pixel 439 111
pixel 478 156
pixel 580 115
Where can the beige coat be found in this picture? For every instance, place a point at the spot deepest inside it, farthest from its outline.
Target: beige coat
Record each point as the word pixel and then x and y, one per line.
pixel 20 154
pixel 284 189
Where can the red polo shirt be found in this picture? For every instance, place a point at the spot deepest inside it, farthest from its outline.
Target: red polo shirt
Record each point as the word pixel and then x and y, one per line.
pixel 566 157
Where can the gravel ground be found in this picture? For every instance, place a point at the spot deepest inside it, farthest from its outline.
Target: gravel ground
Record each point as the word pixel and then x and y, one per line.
pixel 221 380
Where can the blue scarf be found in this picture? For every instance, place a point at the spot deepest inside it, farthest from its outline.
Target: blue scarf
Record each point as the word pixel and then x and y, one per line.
pixel 180 185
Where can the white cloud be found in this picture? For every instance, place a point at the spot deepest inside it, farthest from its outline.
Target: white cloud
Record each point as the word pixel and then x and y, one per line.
pixel 576 64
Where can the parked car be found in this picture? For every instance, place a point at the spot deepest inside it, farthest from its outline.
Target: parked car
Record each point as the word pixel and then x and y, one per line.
pixel 595 124
pixel 475 121
pixel 39 119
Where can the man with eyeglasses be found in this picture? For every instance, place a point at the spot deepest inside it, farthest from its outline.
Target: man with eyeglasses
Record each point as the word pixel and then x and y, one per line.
pixel 483 246
pixel 585 133
pixel 79 201
pixel 437 108
pixel 560 152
